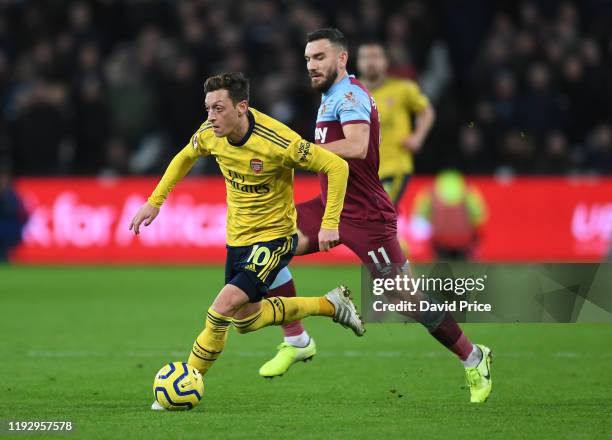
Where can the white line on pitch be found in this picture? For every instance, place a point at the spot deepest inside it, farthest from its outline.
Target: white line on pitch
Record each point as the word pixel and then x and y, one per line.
pixel 263 354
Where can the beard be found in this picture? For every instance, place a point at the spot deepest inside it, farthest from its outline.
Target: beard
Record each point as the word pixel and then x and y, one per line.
pixel 329 80
pixel 373 76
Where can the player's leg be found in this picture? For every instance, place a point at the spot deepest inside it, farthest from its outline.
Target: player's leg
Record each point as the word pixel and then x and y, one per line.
pixel 396 186
pixel 381 249
pixel 266 263
pixel 239 293
pixel 249 272
pixel 297 345
pixel 283 286
pixel 210 342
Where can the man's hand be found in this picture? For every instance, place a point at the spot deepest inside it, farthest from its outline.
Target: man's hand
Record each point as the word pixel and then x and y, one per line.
pixel 328 238
pixel 424 121
pixel 413 143
pixel 146 214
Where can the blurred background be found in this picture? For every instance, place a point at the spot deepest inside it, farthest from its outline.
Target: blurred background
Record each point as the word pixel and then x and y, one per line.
pixel 114 88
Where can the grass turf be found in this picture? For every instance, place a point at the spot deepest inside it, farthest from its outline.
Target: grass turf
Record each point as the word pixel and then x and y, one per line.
pixel 83 344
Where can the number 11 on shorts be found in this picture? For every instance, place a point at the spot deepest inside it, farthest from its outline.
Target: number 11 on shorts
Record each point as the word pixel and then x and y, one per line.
pixel 384 255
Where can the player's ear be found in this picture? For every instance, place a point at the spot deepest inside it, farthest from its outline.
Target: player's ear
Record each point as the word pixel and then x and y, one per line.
pixel 242 107
pixel 343 58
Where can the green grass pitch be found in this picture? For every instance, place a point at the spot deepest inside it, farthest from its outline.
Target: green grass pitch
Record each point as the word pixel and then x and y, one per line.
pixel 83 344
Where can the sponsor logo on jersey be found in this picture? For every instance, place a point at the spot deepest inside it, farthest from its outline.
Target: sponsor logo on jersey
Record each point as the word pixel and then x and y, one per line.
pixel 320 134
pixel 252 189
pixel 257 165
pixel 237 181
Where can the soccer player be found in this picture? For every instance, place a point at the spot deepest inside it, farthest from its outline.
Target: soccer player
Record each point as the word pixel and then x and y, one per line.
pixel 257 156
pixel 348 125
pixel 397 101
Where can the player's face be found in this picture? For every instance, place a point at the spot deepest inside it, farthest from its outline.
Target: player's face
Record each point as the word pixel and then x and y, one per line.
pixel 222 113
pixel 324 61
pixel 371 61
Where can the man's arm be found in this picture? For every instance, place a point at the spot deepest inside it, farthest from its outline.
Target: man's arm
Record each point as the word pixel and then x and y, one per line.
pixel 306 155
pixel 355 142
pixel 423 123
pixel 178 168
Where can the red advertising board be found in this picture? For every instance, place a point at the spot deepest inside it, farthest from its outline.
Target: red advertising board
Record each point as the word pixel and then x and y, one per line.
pixel 86 221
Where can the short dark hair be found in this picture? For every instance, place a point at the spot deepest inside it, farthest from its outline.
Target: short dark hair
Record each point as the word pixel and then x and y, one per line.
pixel 372 42
pixel 236 84
pixel 335 36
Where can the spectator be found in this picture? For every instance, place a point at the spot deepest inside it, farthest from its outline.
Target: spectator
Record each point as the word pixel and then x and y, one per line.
pixel 541 106
pixel 12 214
pixel 516 152
pixel 557 158
pixel 183 108
pixel 581 111
pixel 92 126
pixel 476 158
pixel 505 102
pixel 42 128
pixel 599 150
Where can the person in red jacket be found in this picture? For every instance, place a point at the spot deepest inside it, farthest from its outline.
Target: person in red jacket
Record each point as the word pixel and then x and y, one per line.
pixel 455 212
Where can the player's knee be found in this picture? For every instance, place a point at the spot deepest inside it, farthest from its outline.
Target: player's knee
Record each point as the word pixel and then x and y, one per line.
pixel 246 319
pixel 229 300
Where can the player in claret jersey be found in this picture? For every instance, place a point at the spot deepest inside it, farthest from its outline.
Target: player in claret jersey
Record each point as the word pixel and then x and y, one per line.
pixel 348 125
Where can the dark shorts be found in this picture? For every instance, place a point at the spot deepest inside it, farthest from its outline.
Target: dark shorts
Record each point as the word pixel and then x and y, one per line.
pixel 254 268
pixel 396 186
pixel 374 242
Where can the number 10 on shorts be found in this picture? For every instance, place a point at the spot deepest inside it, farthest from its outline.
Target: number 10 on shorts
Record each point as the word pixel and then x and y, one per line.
pixel 260 255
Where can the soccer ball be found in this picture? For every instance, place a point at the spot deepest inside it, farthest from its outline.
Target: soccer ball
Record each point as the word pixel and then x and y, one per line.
pixel 178 386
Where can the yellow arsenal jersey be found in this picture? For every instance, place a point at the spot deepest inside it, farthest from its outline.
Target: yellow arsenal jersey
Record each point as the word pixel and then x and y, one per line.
pixel 396 100
pixel 258 174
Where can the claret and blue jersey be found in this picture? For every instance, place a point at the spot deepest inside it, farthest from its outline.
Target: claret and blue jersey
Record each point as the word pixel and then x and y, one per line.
pixel 349 102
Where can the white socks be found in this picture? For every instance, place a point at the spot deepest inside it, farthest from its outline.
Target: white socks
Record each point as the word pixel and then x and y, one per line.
pixel 474 358
pixel 301 340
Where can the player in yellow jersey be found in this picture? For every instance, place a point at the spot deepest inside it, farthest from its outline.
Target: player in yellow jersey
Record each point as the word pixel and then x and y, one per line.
pixel 398 100
pixel 257 156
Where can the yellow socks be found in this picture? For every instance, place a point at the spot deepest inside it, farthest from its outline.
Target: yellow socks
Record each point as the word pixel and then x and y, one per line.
pixel 281 310
pixel 274 311
pixel 209 344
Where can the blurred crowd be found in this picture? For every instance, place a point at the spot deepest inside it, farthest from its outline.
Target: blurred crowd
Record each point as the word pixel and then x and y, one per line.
pixel 114 87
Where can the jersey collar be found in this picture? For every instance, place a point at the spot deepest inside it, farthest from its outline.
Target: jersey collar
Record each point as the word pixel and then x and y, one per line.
pixel 246 137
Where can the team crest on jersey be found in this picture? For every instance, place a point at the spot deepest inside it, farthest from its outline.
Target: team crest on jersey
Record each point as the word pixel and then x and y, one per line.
pixel 257 165
pixel 323 109
pixel 350 97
